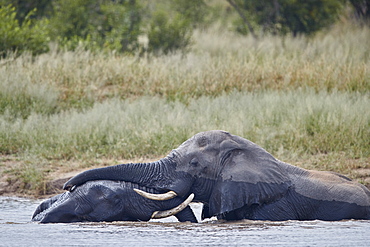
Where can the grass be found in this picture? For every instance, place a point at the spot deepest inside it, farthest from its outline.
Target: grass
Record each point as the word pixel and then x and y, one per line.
pixel 219 62
pixel 299 122
pixel 305 100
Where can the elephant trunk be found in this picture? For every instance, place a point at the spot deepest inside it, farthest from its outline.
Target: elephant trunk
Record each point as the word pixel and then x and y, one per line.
pixel 139 173
pixel 160 175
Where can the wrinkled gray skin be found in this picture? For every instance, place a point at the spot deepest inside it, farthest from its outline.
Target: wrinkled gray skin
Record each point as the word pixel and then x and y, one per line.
pixel 237 179
pixel 105 200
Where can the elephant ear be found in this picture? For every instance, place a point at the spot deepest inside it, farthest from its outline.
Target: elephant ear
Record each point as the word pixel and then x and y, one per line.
pixel 250 176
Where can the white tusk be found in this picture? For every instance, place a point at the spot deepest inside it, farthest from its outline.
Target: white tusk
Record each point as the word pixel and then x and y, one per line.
pixel 158 197
pixel 173 211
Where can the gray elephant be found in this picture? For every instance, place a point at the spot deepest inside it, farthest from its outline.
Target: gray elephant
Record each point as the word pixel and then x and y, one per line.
pixel 105 200
pixel 237 179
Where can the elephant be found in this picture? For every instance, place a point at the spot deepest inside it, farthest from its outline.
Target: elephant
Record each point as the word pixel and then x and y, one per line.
pixel 105 200
pixel 237 179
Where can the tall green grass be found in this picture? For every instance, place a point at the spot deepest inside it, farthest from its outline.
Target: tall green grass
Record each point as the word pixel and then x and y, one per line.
pixel 285 123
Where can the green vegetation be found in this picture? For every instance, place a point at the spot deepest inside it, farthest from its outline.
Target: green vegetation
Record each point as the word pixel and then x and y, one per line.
pixel 305 99
pixel 166 36
pixel 25 37
pixel 294 123
pixel 107 25
pixel 96 25
pixel 58 81
pixel 291 16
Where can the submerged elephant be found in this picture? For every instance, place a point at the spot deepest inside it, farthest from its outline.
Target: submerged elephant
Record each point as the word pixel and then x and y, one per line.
pixel 105 200
pixel 237 179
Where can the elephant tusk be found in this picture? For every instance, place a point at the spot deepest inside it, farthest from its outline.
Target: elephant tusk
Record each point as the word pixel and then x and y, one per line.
pixel 158 197
pixel 173 211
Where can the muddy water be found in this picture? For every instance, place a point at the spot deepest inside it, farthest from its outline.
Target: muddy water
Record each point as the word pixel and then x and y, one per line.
pixel 17 230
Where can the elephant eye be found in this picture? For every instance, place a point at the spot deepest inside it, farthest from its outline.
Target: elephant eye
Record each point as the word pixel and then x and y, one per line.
pixel 194 162
pixel 226 157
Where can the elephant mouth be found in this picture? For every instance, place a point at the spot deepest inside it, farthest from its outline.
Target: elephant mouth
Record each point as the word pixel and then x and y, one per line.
pixel 173 211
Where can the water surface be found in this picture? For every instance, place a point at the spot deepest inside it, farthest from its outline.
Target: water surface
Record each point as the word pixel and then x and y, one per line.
pixel 17 230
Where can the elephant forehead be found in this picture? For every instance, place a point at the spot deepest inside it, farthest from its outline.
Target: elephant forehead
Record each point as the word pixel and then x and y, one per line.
pixel 202 142
pixel 203 139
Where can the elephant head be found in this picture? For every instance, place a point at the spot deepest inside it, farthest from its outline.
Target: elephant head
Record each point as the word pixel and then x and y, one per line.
pixel 105 200
pixel 224 171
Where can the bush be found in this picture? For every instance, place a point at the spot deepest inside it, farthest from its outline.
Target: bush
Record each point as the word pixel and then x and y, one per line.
pixel 295 16
pixel 121 26
pixel 195 11
pixel 167 35
pixel 29 36
pixel 41 8
pixel 96 24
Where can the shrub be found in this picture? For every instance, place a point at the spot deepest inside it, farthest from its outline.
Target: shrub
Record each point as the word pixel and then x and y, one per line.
pixel 195 11
pixel 167 35
pixel 29 36
pixel 96 24
pixel 295 16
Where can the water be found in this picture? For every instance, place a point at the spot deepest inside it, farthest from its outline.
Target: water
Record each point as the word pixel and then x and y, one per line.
pixel 17 230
